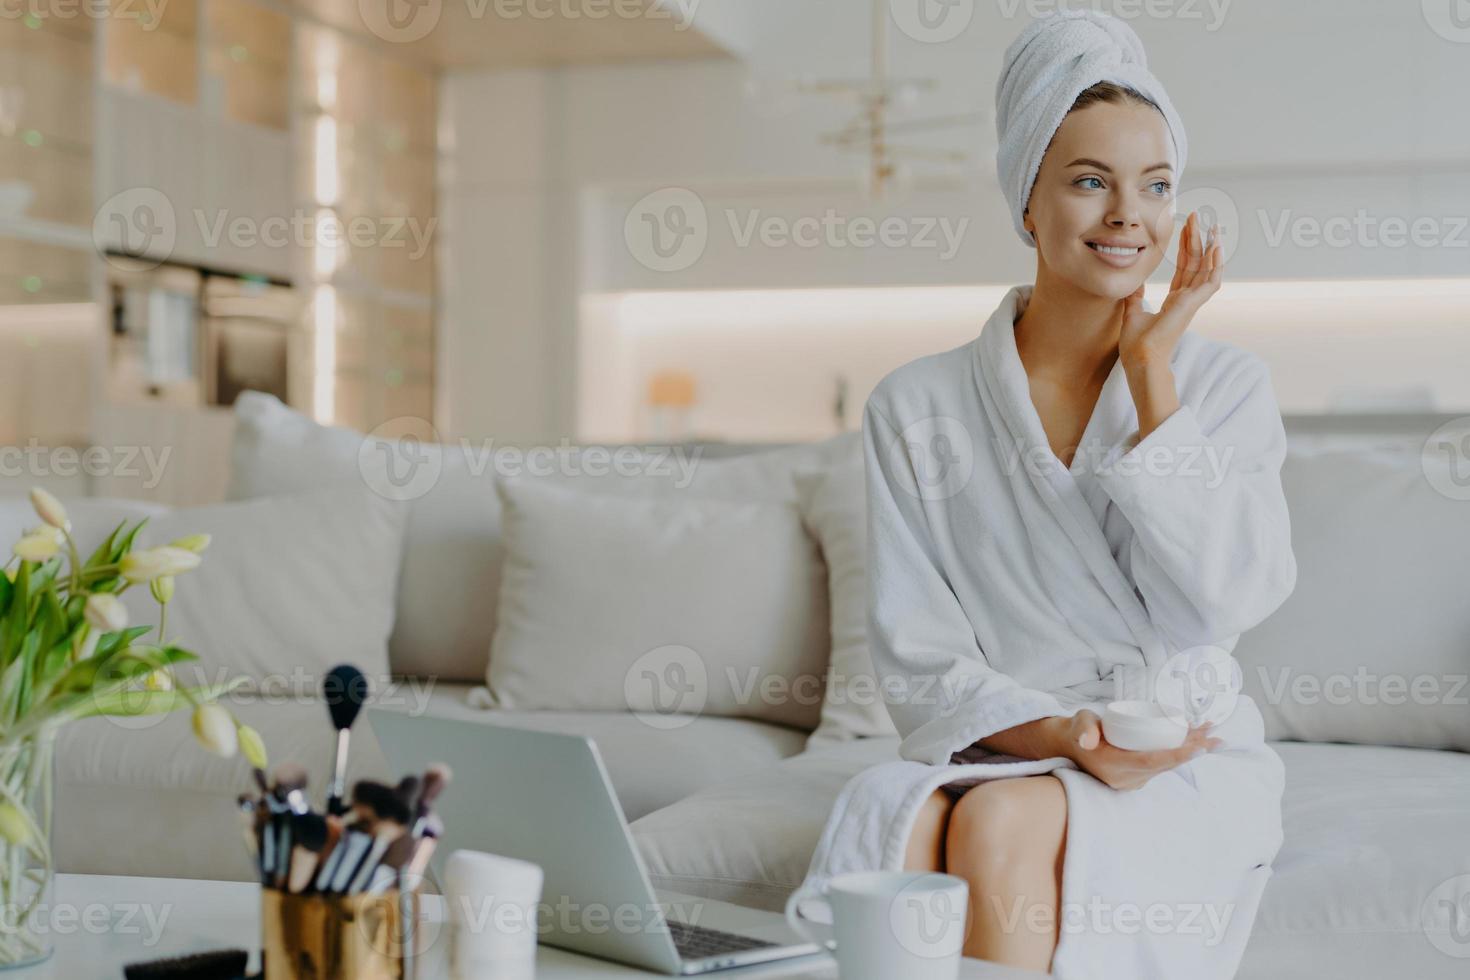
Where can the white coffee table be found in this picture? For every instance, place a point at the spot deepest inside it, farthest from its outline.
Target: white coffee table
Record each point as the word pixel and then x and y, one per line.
pixel 100 923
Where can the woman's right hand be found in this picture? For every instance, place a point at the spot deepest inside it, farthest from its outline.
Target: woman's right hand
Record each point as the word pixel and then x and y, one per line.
pixel 1126 768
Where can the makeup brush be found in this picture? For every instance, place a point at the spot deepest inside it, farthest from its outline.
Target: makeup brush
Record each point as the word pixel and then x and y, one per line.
pixel 385 834
pixel 404 863
pixel 309 830
pixel 344 689
pixel 382 876
pixel 436 777
pixel 289 792
pixel 374 805
pixel 247 823
pixel 380 802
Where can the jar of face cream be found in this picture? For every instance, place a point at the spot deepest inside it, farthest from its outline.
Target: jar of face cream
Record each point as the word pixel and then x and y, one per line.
pixel 1142 726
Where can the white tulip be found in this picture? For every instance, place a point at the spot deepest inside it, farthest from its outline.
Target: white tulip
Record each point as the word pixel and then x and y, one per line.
pixel 105 612
pixel 50 509
pixel 193 542
pixel 36 547
pixel 215 730
pixel 144 566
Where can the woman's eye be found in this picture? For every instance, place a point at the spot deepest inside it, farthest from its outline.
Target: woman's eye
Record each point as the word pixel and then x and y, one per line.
pixel 1096 179
pixel 1164 184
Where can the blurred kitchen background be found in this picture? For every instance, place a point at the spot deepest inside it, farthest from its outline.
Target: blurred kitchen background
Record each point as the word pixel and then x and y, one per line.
pixel 546 220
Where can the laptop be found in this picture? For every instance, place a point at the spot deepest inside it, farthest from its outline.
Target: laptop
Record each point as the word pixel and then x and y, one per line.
pixel 545 797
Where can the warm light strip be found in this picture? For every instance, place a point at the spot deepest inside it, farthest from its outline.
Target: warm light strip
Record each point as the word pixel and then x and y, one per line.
pixel 663 309
pixel 324 366
pixel 326 171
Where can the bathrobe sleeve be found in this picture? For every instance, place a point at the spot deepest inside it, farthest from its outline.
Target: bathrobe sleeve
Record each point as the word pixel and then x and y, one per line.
pixel 1211 552
pixel 942 693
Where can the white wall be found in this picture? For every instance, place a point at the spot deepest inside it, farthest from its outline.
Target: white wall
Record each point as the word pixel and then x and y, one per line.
pixel 1304 113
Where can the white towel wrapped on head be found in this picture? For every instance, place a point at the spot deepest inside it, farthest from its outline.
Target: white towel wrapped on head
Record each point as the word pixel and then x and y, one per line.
pixel 1054 60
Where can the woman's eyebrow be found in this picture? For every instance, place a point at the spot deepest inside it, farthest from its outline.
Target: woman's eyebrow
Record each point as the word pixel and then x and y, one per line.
pixel 1089 162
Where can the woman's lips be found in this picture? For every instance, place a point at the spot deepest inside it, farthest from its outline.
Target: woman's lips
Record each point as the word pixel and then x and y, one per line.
pixel 1113 259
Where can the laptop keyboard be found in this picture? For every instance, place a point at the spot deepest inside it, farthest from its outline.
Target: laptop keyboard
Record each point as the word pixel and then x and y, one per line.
pixel 697 942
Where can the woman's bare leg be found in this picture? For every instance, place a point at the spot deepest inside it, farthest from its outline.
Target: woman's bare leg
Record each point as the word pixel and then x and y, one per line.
pixel 1007 838
pixel 926 842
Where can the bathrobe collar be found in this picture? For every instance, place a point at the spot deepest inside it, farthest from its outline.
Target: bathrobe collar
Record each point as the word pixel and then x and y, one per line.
pixel 1006 395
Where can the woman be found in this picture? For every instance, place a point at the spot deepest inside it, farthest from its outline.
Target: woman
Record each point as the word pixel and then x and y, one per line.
pixel 1058 511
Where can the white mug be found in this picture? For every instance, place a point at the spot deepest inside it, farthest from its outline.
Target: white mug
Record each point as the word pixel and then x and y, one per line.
pixel 888 924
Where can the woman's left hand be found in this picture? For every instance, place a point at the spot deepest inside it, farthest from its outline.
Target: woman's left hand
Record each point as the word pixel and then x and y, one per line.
pixel 1148 336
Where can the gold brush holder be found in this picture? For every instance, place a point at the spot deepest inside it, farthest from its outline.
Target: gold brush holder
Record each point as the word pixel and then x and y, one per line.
pixel 337 937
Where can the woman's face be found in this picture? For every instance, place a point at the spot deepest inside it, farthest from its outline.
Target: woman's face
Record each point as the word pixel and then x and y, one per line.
pixel 1100 182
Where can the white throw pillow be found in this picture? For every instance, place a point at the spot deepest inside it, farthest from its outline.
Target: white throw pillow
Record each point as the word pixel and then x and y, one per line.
pixel 1373 645
pixel 289 587
pixel 453 553
pixel 834 506
pixel 668 603
pixel 441 629
pixel 92 519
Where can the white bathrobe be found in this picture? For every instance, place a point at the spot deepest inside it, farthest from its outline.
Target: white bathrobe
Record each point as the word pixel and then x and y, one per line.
pixel 1005 587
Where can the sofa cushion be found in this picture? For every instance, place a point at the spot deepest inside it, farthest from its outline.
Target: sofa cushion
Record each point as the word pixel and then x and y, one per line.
pixel 291 586
pixel 445 618
pixel 1373 646
pixel 441 626
pixel 1374 853
pixel 684 605
pixel 750 840
pixel 1374 868
pixel 92 518
pixel 834 505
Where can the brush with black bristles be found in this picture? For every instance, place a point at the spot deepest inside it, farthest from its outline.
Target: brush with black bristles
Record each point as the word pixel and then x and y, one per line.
pixel 345 689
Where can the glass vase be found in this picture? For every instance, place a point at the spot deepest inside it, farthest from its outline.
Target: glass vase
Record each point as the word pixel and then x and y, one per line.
pixel 26 794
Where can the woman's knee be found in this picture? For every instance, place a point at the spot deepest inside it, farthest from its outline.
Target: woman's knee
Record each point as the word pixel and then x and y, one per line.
pixel 1002 821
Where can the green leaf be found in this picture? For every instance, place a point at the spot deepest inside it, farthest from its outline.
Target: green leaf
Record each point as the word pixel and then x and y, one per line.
pixel 15 683
pixel 54 663
pixel 45 574
pixel 125 544
pixel 130 703
pixel 17 619
pixel 103 554
pixel 6 591
pixel 110 643
pixel 51 618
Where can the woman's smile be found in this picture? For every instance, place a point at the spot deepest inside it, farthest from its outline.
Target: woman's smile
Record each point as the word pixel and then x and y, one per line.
pixel 1118 256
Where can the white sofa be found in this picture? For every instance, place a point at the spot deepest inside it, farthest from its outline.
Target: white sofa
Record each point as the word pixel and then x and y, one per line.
pixel 1376 862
